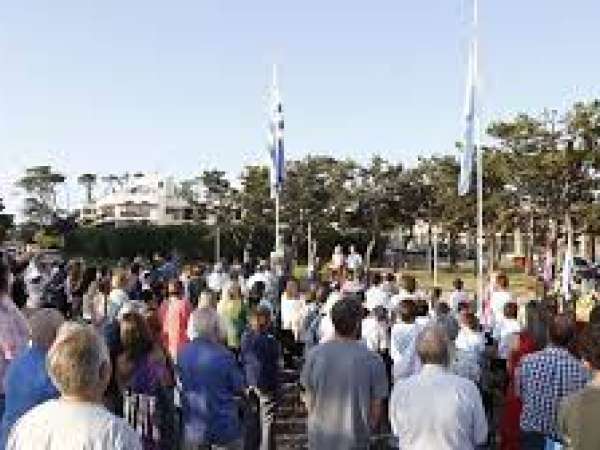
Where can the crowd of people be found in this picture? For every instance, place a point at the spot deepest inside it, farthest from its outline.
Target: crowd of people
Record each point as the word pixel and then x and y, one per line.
pixel 164 355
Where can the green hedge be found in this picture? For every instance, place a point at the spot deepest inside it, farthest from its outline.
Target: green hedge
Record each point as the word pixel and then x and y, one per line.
pixel 198 242
pixel 128 242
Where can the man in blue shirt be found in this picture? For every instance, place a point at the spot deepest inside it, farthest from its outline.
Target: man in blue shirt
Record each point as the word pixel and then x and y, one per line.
pixel 261 355
pixel 27 382
pixel 211 380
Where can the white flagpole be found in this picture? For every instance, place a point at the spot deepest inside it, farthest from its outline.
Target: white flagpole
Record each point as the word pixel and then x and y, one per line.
pixel 479 149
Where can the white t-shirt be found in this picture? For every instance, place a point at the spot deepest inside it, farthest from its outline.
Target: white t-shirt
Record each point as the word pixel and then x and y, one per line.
pixel 503 332
pixel 403 350
pixel 62 425
pixel 375 334
pixel 456 298
pixel 497 301
pixel 376 296
pixel 291 310
pixel 354 261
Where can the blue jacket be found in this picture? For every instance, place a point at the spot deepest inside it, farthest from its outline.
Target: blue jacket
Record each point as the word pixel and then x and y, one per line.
pixel 260 355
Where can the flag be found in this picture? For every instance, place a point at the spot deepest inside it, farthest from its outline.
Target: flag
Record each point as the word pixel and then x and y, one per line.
pixel 275 138
pixel 470 138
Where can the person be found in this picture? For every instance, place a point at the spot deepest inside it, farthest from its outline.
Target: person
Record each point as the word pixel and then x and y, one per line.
pixel 216 279
pixel 375 331
pixel 292 307
pixel 578 413
pixel 89 291
pixel 145 383
pixel 505 329
pixel 403 342
pixel 437 409
pixel 458 296
pixel 445 318
pixel 337 259
pixel 544 379
pixel 260 356
pixel 14 330
pixel 175 313
pixel 79 366
pixel 74 287
pixel 499 297
pixel 376 295
pixel 210 379
pixel 354 261
pixel 422 312
pixel 233 313
pixel 30 365
pixel 345 385
pixel 522 344
pixel 408 292
pixel 470 347
pixel 134 282
pixel 117 295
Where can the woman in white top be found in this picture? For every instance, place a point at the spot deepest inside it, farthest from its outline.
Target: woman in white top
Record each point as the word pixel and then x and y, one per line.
pixel 500 296
pixel 403 342
pixel 117 296
pixel 292 307
pixel 470 346
pixel 505 330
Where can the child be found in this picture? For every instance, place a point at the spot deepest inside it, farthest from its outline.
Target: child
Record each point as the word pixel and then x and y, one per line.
pixel 260 355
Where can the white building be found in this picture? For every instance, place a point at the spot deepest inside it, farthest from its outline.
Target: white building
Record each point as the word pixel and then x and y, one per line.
pixel 142 199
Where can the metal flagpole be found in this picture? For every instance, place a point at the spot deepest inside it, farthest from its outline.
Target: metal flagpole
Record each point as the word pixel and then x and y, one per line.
pixel 435 258
pixel 277 230
pixel 479 150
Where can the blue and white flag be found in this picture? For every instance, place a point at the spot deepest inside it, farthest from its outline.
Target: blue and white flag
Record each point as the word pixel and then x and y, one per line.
pixel 275 138
pixel 471 115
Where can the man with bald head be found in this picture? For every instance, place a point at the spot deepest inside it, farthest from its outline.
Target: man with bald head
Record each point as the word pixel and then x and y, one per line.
pixel 27 381
pixel 544 378
pixel 437 409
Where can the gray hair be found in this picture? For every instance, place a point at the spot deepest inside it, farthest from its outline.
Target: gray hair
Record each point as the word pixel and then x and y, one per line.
pixel 205 323
pixel 76 358
pixel 432 346
pixel 44 325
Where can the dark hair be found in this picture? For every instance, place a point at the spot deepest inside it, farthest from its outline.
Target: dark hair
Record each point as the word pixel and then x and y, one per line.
pixel 135 269
pixel 89 275
pixel 421 308
pixel 589 348
pixel 442 308
pixel 390 277
pixel 511 310
pixel 346 316
pixel 562 330
pixel 175 287
pixel 458 284
pixel 464 306
pixel 407 311
pixel 409 283
pixel 502 280
pixel 135 336
pixel 470 320
pixel 4 277
pixel 376 279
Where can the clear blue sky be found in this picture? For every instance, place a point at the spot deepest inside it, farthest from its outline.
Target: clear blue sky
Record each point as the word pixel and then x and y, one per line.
pixel 115 86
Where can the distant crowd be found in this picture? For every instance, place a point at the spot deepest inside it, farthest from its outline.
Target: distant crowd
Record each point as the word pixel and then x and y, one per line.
pixel 160 354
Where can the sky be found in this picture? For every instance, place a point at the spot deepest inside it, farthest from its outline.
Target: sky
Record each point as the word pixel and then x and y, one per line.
pixel 177 87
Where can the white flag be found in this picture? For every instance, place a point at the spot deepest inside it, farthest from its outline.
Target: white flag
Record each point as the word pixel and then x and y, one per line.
pixel 471 123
